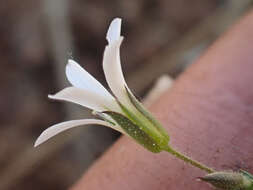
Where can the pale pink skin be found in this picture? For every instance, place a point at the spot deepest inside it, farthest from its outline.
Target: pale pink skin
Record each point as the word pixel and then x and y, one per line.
pixel 209 116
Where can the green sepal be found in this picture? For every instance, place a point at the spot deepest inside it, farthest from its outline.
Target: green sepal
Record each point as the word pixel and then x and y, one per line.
pixel 138 105
pixel 134 131
pixel 145 125
pixel 247 174
pixel 249 179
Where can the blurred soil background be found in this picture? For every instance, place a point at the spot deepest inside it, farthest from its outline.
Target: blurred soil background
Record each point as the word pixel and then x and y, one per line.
pixel 37 38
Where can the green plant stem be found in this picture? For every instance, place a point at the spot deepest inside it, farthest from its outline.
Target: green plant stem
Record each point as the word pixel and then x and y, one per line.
pixel 189 160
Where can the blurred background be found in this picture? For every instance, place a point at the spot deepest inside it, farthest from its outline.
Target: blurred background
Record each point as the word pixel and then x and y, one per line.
pixel 37 38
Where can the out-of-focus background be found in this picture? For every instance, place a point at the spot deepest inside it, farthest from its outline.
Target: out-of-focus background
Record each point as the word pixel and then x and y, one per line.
pixel 37 38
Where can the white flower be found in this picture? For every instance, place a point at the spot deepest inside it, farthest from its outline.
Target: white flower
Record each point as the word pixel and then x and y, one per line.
pixel 123 112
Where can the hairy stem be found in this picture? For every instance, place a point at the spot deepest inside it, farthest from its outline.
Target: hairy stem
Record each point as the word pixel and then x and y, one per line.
pixel 189 160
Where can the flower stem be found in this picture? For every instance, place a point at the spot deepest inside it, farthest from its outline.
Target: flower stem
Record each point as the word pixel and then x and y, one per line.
pixel 189 160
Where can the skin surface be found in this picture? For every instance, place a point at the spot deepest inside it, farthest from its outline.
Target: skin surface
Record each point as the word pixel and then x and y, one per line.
pixel 209 116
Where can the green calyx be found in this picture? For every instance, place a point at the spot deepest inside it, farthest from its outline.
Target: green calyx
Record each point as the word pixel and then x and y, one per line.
pixel 248 180
pixel 140 125
pixel 147 114
pixel 134 131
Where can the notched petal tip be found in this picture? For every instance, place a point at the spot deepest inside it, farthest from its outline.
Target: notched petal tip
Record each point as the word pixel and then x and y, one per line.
pixel 70 63
pixel 51 96
pixel 114 30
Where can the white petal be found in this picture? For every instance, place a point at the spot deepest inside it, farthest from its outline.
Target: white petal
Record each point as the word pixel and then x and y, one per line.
pixel 113 71
pixel 80 78
pixel 60 127
pixel 86 98
pixel 114 30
